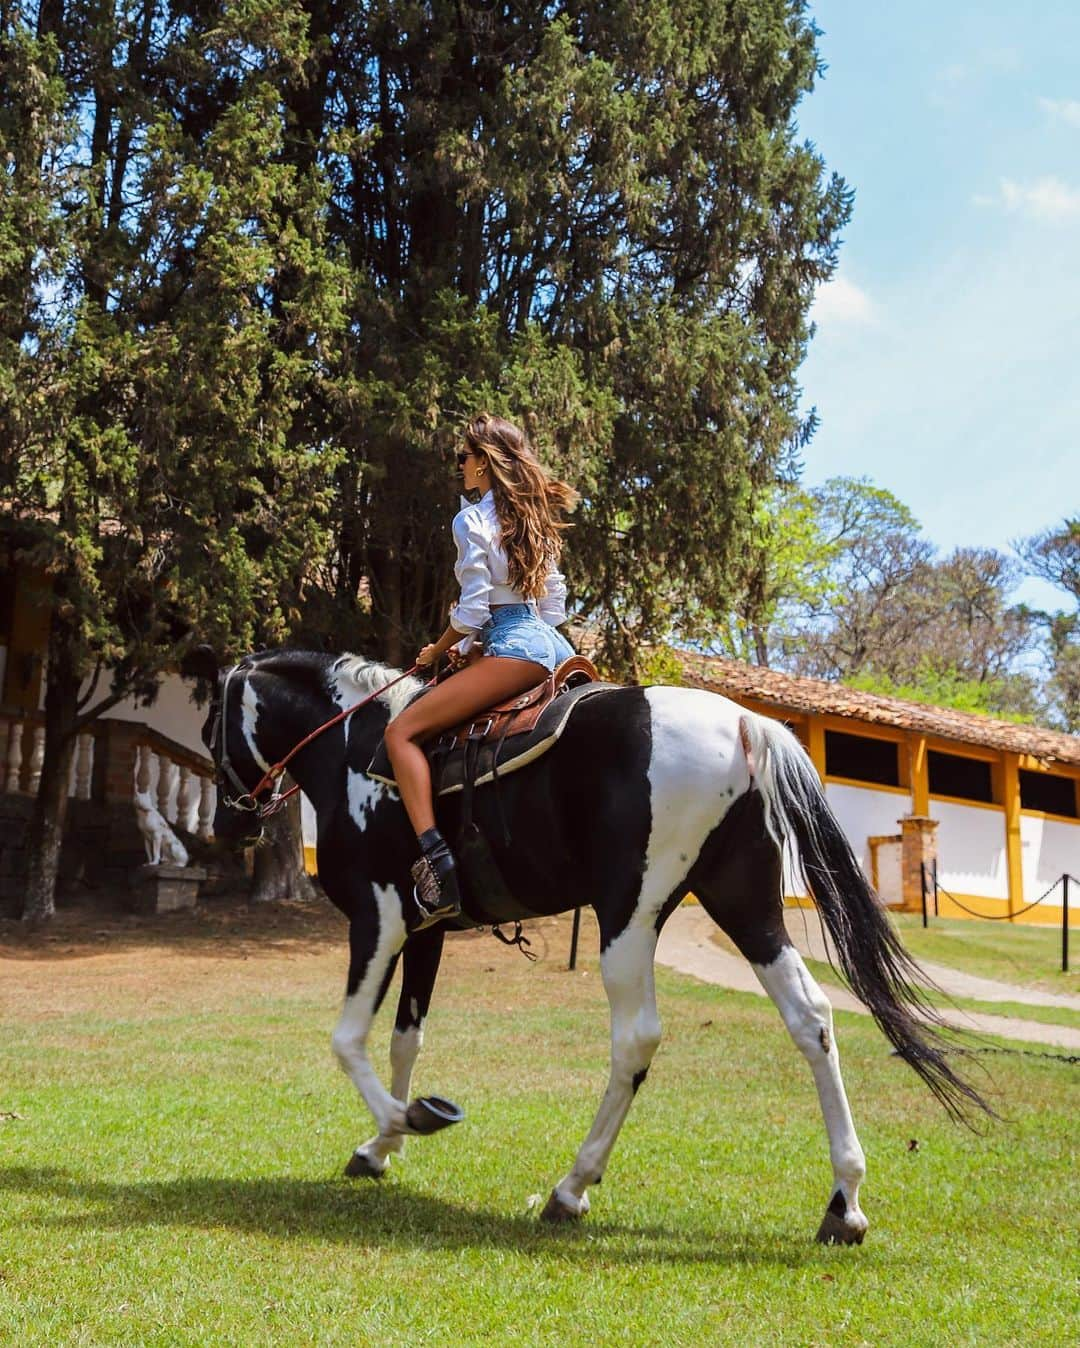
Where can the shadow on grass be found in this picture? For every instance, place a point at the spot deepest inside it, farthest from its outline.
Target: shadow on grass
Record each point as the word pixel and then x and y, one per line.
pixel 389 1216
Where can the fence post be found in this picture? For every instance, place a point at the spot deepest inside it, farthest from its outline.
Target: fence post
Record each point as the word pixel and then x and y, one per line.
pixel 573 940
pixel 1065 923
pixel 922 885
pixel 936 913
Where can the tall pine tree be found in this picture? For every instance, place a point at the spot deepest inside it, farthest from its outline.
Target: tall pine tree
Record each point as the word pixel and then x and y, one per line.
pixel 598 219
pixel 164 340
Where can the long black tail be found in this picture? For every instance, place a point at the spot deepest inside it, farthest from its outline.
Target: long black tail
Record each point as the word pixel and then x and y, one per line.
pixel 874 963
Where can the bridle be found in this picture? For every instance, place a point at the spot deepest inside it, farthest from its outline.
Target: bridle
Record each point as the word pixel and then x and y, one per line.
pixel 248 800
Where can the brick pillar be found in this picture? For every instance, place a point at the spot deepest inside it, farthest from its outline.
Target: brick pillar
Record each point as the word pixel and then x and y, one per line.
pixel 918 846
pixel 115 749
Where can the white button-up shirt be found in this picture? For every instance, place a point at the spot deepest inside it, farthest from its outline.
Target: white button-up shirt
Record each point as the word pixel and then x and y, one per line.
pixel 483 575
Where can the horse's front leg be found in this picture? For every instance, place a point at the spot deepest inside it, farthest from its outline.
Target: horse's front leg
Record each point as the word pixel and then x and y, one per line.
pixel 376 935
pixel 627 968
pixel 419 966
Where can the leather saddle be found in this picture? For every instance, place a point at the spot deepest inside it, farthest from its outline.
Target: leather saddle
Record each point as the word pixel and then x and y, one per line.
pixel 506 737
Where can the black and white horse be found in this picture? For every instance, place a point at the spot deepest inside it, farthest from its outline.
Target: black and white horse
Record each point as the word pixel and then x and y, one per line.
pixel 649 794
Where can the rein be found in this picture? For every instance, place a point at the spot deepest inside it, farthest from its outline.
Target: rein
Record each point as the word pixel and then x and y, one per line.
pixel 248 799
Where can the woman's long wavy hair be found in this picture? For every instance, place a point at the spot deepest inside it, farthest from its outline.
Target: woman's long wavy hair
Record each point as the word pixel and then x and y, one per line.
pixel 529 502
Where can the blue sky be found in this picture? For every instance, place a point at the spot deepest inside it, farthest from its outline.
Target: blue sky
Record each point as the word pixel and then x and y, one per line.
pixel 945 366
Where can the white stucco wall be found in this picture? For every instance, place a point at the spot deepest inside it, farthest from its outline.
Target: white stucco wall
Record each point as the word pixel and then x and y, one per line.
pixel 307 820
pixel 971 849
pixel 1049 848
pixel 890 884
pixel 865 812
pixel 173 713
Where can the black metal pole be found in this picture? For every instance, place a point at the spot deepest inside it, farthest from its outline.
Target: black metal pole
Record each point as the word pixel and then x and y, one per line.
pixel 573 940
pixel 936 913
pixel 922 877
pixel 1065 923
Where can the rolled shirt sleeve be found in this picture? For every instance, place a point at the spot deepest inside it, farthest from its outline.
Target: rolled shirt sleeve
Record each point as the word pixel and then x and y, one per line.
pixel 551 606
pixel 473 608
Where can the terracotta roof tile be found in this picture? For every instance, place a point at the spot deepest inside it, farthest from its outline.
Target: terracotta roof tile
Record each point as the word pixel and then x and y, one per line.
pixel 786 691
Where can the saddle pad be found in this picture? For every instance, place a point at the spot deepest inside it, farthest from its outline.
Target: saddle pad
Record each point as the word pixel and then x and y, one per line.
pixel 514 752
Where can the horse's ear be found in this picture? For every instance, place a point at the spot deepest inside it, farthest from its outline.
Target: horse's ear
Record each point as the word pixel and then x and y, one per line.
pixel 200 662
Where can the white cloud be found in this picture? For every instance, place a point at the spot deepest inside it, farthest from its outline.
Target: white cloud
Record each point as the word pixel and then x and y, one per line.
pixel 1065 110
pixel 841 301
pixel 1047 199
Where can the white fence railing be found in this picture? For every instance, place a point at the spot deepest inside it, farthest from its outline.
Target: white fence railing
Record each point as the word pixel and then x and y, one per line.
pixel 181 782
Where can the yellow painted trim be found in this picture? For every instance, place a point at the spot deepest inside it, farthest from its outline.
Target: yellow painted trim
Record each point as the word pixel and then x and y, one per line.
pixel 1042 916
pixel 958 749
pixel 975 804
pixel 919 776
pixel 862 729
pixel 1047 814
pixel 309 860
pixel 1029 763
pixel 815 746
pixel 867 786
pixel 1013 853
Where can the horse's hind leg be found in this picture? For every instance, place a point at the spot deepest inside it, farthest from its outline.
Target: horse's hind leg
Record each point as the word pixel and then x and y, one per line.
pixel 808 1017
pixel 420 964
pixel 743 893
pixel 627 967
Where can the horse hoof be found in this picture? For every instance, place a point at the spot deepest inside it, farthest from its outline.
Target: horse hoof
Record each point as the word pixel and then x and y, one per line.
pixel 835 1230
pixel 430 1113
pixel 555 1210
pixel 361 1167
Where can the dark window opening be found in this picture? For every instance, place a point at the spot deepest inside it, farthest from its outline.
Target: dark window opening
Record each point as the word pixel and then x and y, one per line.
pixel 863 760
pixel 1044 791
pixel 967 778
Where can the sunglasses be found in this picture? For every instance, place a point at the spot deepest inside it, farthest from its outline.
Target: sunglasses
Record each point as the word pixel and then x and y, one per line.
pixel 462 455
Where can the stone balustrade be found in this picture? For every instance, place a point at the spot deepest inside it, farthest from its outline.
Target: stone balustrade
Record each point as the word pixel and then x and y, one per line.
pixel 111 761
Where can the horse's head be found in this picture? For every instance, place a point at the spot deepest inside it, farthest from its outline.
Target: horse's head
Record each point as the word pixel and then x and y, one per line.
pixel 264 706
pixel 237 771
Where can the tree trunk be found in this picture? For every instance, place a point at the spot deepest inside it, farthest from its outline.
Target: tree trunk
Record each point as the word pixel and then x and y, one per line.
pixel 279 860
pixel 46 833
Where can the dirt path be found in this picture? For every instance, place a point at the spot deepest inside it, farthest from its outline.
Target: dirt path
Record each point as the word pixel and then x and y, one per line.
pixel 808 936
pixel 153 962
pixel 687 945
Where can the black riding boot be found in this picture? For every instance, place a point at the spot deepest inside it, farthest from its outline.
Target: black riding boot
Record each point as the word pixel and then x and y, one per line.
pixel 436 886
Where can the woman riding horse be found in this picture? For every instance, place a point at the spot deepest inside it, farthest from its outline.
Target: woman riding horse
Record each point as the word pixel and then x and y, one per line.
pixel 512 599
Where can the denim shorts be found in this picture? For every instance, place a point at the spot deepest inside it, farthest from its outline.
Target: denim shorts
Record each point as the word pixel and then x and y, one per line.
pixel 516 631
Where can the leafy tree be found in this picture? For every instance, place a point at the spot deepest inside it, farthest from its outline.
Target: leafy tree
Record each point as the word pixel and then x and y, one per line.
pixel 786 574
pixel 259 260
pixel 595 218
pixel 847 588
pixel 165 340
pixel 878 601
pixel 1054 556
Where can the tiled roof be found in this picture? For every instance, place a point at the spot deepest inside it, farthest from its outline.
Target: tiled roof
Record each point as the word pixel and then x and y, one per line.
pixel 785 691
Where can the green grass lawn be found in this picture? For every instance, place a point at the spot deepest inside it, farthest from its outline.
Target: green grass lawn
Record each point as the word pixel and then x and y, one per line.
pixel 828 977
pixel 1015 952
pixel 174 1175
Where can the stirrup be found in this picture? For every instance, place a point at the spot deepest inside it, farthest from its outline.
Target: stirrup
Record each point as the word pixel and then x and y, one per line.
pixel 431 904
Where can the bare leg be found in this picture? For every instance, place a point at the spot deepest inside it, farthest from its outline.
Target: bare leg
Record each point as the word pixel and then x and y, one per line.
pixel 419 967
pixel 808 1017
pixel 492 679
